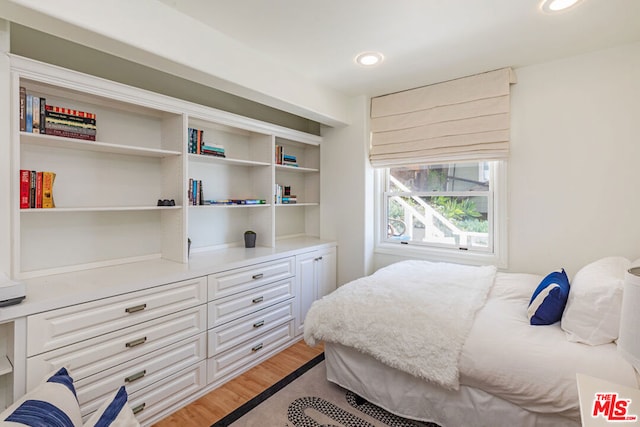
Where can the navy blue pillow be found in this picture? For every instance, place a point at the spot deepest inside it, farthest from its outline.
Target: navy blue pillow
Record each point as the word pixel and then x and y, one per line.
pixel 549 299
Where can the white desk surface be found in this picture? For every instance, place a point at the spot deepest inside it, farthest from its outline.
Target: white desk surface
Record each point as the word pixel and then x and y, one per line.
pixel 590 389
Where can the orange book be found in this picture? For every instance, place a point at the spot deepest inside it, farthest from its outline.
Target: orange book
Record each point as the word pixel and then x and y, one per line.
pixel 47 189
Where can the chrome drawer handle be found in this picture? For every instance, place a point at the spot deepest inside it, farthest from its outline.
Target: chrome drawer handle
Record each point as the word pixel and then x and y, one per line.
pixel 138 408
pixel 136 342
pixel 257 276
pixel 257 300
pixel 134 377
pixel 256 348
pixel 258 324
pixel 135 308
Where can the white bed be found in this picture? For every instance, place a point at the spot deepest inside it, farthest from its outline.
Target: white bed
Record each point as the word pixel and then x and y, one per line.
pixel 508 373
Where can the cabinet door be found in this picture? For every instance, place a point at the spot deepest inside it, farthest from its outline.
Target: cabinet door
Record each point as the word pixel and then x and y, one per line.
pixel 326 273
pixel 306 265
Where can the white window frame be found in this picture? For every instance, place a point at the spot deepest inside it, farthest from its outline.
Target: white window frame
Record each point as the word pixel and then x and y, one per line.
pixel 433 252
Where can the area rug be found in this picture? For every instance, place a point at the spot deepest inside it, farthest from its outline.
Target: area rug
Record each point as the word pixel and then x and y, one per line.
pixel 306 399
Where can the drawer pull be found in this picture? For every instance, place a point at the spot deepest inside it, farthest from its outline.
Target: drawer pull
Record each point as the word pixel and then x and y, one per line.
pixel 136 342
pixel 257 276
pixel 135 308
pixel 257 347
pixel 134 377
pixel 138 408
pixel 258 324
pixel 257 300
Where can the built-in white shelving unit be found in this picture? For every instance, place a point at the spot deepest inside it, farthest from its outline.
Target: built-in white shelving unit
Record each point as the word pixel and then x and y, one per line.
pixel 106 191
pixel 112 245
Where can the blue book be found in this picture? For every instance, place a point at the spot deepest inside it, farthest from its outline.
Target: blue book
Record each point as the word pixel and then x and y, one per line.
pixel 29 115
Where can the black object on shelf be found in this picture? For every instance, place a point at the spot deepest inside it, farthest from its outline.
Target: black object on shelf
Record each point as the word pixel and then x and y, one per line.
pixel 250 239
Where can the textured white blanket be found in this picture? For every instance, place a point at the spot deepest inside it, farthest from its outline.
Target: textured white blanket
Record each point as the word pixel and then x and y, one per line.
pixel 412 315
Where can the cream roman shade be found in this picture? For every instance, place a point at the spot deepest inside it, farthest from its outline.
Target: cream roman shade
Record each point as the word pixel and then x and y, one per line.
pixel 458 120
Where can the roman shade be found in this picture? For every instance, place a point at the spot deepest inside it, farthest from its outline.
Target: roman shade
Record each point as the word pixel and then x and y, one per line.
pixel 466 119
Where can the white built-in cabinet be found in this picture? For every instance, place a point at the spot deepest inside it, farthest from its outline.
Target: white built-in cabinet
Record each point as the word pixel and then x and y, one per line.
pixel 106 191
pixel 114 290
pixel 316 271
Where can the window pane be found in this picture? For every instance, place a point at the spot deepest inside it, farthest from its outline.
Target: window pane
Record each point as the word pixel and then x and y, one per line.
pixel 457 221
pixel 449 177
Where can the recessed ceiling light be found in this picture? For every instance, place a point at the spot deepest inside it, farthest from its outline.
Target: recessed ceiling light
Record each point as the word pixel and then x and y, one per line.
pixel 369 59
pixel 557 5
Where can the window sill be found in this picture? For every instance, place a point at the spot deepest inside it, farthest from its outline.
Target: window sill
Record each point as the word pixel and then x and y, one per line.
pixel 442 255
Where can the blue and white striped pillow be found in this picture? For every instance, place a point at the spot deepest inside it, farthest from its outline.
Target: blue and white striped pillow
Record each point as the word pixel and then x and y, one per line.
pixel 115 411
pixel 52 403
pixel 549 299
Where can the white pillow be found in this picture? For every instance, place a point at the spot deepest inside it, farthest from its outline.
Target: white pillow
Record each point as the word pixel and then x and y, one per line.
pixel 52 403
pixel 114 412
pixel 592 314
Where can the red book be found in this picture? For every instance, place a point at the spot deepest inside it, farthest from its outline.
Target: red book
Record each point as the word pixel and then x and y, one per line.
pixel 25 188
pixel 70 112
pixel 38 189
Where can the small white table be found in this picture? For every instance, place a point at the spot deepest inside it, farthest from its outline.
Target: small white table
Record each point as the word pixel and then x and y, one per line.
pixel 603 403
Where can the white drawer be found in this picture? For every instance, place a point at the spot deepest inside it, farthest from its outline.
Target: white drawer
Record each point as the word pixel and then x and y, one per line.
pixel 242 355
pixel 139 372
pixel 109 350
pixel 152 401
pixel 233 307
pixel 57 328
pixel 233 333
pixel 241 279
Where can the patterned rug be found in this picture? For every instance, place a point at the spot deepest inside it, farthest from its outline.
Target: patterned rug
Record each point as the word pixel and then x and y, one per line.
pixel 306 399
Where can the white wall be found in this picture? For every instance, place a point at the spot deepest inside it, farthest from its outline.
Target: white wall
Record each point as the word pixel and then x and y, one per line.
pixel 573 175
pixel 347 192
pixel 114 27
pixel 5 150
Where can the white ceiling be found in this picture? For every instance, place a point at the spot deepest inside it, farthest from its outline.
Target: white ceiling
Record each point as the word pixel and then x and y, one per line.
pixel 424 41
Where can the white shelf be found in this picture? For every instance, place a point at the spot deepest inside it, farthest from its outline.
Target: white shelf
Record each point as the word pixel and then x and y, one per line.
pixel 106 190
pixel 296 169
pixel 225 160
pixel 100 209
pixel 231 206
pixel 79 144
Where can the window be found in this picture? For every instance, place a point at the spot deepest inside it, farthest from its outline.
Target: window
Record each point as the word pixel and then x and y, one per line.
pixel 453 210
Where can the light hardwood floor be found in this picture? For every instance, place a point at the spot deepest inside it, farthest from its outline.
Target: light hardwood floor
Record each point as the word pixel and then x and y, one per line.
pixel 231 395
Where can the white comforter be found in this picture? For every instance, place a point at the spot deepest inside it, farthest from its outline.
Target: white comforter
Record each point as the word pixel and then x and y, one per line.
pixel 533 367
pixel 412 315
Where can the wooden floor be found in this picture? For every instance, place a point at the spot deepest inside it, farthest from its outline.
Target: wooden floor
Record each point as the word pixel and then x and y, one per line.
pixel 231 395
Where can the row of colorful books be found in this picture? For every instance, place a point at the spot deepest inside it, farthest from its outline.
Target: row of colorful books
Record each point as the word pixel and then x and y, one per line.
pixel 283 195
pixel 285 159
pixel 195 192
pixel 234 202
pixel 36 116
pixel 36 189
pixel 197 144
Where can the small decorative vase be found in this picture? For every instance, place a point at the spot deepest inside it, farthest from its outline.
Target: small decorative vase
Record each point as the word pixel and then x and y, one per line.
pixel 249 239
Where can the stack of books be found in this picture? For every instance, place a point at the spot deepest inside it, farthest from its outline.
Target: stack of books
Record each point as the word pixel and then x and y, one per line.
pixel 195 192
pixel 283 195
pixel 196 136
pixel 285 159
pixel 36 116
pixel 235 202
pixel 288 160
pixel 213 150
pixel 197 144
pixel 36 189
